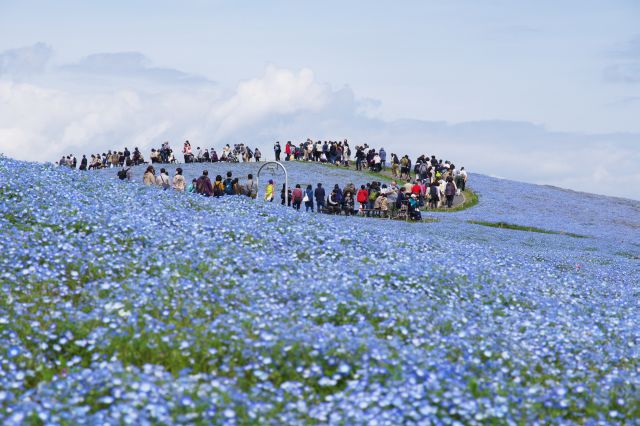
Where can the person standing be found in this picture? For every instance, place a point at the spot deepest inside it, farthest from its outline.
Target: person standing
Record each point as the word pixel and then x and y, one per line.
pixel 257 154
pixel 179 183
pixel 297 196
pixel 268 194
pixel 277 150
pixel 450 191
pixel 320 195
pixel 383 158
pixel 251 189
pixel 361 197
pixel 308 200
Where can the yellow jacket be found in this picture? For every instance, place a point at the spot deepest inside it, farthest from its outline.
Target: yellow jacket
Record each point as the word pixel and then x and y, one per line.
pixel 269 192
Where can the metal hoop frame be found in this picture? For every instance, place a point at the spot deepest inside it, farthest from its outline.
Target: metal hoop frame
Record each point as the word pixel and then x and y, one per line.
pixel 286 179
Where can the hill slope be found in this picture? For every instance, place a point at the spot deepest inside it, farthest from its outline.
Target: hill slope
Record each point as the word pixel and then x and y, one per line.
pixel 127 303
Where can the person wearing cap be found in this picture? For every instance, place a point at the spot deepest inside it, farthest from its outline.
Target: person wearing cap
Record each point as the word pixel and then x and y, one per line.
pixel 179 183
pixel 414 209
pixel 268 195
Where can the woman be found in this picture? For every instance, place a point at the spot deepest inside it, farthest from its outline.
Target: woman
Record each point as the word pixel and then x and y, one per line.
pixel 268 195
pixel 308 200
pixel 257 154
pixel 178 180
pixel 236 187
pixel 162 179
pixel 149 177
pixel 218 187
pixel 192 187
pixel 297 197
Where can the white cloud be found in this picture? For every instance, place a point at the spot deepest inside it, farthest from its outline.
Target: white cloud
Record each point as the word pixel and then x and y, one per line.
pixel 25 61
pixel 68 110
pixel 278 92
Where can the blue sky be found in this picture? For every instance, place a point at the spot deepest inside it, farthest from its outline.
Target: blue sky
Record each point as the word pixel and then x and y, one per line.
pixel 567 72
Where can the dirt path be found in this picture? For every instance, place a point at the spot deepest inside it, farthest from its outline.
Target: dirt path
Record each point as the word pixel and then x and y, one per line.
pixel 458 200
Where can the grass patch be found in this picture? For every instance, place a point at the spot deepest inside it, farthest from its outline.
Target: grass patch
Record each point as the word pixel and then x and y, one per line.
pixel 505 225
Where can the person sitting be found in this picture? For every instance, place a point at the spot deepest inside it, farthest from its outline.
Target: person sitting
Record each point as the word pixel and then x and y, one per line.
pixel 347 204
pixel 414 209
pixel 333 205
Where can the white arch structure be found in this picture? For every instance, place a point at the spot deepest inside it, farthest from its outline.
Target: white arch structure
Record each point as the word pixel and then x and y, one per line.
pixel 272 166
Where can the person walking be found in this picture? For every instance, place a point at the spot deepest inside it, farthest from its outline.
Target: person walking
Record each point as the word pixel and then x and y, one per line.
pixel 450 191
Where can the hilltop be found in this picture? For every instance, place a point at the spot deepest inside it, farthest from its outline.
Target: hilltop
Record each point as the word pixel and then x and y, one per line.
pixel 123 303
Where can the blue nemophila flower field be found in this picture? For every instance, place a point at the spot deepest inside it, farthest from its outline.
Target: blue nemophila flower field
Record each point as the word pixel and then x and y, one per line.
pixel 127 304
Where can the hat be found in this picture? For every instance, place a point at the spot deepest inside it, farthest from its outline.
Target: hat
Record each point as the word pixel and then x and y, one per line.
pixel 270 180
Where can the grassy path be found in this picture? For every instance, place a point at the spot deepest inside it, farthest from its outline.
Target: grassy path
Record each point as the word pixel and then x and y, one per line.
pixel 466 199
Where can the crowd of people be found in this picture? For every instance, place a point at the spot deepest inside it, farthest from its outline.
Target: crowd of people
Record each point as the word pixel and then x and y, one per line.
pixel 106 159
pixel 228 154
pixel 433 185
pixel 395 200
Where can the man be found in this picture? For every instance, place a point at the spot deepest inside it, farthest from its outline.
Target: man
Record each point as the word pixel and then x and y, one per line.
pixel 203 184
pixel 383 158
pixel 463 183
pixel 228 184
pixel 251 188
pixel 319 193
pixel 277 150
pixel 359 157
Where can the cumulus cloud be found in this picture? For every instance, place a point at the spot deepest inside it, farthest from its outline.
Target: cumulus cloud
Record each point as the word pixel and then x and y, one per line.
pixel 626 63
pixel 131 65
pixel 25 61
pixel 278 92
pixel 71 112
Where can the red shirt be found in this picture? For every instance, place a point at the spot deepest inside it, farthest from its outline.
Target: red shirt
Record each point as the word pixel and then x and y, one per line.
pixel 362 196
pixel 415 189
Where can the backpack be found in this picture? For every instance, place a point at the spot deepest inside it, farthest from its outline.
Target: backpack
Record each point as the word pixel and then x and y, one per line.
pixel 433 191
pixel 228 186
pixel 423 169
pixel 122 174
pixel 218 188
pixel 249 154
pixel 373 195
pixel 450 189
